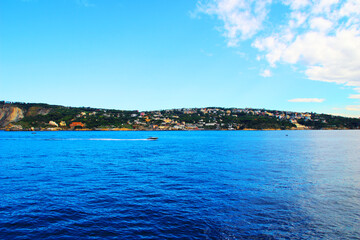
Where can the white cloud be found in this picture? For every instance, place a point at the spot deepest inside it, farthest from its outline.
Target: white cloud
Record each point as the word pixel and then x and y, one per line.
pixel 266 73
pixel 329 48
pixel 353 108
pixel 354 96
pixel 297 4
pixel 346 115
pixel 307 100
pixel 324 6
pixel 323 36
pixel 350 7
pixel 297 19
pixel 320 24
pixel 242 18
pixel 327 58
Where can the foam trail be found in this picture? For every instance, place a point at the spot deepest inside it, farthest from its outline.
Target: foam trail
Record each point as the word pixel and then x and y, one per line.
pixel 94 139
pixel 115 139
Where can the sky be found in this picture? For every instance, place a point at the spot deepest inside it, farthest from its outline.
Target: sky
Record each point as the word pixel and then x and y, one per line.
pixel 295 55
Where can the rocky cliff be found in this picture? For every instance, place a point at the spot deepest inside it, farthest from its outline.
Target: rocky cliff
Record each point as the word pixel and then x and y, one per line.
pixel 10 114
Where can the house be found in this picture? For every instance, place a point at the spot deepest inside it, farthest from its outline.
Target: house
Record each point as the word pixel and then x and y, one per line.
pixel 167 120
pixel 52 123
pixel 77 124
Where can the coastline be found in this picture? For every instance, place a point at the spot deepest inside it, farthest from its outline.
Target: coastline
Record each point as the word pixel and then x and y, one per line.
pixel 43 117
pixel 148 130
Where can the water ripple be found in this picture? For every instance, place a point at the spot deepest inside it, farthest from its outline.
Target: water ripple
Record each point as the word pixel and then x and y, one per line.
pixel 186 185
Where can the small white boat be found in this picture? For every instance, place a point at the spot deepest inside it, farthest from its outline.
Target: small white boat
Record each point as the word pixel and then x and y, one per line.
pixel 152 138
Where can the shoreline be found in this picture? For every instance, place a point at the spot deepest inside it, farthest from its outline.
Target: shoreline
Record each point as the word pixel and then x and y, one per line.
pixel 186 130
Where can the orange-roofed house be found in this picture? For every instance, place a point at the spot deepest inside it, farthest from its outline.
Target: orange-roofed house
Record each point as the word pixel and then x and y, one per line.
pixel 77 124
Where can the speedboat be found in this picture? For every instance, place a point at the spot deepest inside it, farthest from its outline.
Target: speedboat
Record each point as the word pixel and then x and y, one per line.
pixel 152 138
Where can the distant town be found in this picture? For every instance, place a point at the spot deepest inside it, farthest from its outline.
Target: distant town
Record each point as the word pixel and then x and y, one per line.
pixel 15 116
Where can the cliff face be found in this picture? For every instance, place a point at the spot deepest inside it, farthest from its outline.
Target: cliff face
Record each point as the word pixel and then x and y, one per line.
pixel 9 114
pixel 34 111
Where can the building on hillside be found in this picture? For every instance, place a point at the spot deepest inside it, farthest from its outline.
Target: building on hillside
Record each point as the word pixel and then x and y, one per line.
pixel 77 124
pixel 52 123
pixel 167 120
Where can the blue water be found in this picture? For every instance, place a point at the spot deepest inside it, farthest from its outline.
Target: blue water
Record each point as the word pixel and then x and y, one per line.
pixel 186 185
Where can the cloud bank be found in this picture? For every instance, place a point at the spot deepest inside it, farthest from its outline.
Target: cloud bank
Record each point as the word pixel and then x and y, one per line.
pixel 242 18
pixel 307 100
pixel 353 108
pixel 323 36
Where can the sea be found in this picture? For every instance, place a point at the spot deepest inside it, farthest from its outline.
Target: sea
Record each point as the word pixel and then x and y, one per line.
pixel 184 185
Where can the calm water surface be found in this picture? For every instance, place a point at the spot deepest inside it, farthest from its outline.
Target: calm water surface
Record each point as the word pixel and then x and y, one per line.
pixel 186 185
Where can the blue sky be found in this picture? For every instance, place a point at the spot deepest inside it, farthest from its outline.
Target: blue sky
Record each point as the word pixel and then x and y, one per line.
pixel 287 55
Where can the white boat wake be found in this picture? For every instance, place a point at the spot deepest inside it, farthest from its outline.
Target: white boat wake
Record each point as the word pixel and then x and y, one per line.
pixel 95 139
pixel 83 139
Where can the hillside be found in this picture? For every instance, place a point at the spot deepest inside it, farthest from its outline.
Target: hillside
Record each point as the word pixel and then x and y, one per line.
pixel 33 116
